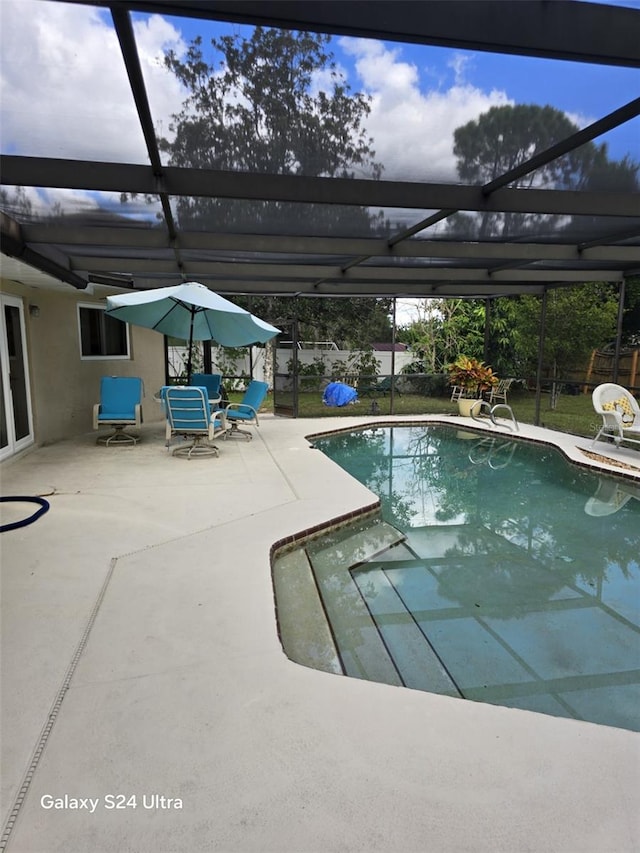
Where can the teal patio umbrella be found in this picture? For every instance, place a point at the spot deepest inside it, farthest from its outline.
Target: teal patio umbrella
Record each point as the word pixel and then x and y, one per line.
pixel 191 312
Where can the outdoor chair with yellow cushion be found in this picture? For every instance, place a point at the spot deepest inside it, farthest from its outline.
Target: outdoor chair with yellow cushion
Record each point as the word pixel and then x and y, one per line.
pixel 620 413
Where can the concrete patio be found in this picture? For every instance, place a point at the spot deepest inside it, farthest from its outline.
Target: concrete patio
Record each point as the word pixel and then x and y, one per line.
pixel 140 657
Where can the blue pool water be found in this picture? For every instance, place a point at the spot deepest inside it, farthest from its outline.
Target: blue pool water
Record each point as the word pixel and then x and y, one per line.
pixel 497 572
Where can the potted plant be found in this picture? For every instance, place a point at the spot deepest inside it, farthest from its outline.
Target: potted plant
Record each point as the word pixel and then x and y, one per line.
pixel 473 378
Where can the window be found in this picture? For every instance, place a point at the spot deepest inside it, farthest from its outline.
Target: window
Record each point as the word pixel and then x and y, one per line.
pixel 101 336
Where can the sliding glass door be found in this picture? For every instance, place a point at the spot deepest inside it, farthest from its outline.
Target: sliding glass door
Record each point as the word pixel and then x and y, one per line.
pixel 16 423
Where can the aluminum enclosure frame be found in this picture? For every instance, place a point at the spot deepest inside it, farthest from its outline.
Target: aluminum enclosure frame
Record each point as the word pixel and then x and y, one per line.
pixel 81 252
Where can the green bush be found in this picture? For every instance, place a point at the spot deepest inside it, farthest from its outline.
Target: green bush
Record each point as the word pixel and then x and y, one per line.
pixel 310 376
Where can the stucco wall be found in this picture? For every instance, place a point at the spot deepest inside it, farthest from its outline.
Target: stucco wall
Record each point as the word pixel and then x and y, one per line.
pixel 64 388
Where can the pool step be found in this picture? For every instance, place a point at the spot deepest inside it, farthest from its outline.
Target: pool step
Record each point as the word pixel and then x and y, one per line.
pixel 355 544
pixel 415 659
pixel 349 579
pixel 361 647
pixel 304 633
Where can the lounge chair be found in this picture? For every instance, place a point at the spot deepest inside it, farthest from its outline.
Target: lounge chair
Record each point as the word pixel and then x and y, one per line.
pixel 120 406
pixel 245 412
pixel 372 387
pixel 189 415
pixel 620 413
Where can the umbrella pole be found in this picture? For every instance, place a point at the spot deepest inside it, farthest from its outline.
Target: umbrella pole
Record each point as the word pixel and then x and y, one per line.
pixel 189 360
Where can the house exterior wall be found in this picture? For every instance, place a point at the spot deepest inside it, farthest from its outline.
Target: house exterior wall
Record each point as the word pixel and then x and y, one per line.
pixel 64 388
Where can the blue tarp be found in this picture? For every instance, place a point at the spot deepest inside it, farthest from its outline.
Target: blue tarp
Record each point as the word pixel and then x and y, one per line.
pixel 339 394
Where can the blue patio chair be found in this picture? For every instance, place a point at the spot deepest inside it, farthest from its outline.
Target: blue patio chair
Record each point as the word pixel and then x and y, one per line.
pixel 120 406
pixel 210 381
pixel 161 397
pixel 189 415
pixel 245 412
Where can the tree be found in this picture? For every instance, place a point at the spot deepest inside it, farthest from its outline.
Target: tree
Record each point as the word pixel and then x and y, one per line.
pixel 507 136
pixel 258 107
pixel 350 323
pixel 578 320
pixel 421 336
pixel 611 175
pixel 499 140
pixel 16 202
pixel 631 316
pixel 503 353
pixel 255 110
pixel 445 329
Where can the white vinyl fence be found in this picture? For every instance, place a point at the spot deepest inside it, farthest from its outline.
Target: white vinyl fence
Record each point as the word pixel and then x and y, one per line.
pixel 237 363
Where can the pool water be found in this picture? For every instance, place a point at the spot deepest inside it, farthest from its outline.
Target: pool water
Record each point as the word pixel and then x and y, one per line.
pixel 496 572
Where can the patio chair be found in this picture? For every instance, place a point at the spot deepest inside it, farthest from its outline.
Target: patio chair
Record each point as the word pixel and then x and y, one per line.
pixel 458 392
pixel 372 387
pixel 120 406
pixel 189 415
pixel 620 413
pixel 499 392
pixel 161 397
pixel 210 381
pixel 245 412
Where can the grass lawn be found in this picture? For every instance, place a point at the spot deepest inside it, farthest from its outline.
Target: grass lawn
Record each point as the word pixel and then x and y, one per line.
pixel 572 414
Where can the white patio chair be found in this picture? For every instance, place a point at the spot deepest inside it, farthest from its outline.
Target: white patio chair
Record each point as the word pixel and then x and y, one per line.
pixel 499 392
pixel 620 413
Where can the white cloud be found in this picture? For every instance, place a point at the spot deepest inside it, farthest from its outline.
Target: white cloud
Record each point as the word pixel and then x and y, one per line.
pixel 458 63
pixel 65 92
pixel 153 37
pixel 579 119
pixel 413 127
pixel 64 88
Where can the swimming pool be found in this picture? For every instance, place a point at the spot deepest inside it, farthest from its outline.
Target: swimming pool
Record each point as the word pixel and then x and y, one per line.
pixel 496 571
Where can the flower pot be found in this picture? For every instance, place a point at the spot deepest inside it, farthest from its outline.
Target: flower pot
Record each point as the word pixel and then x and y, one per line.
pixel 466 404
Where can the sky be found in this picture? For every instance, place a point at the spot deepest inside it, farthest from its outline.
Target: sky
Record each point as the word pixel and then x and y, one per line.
pixel 64 91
